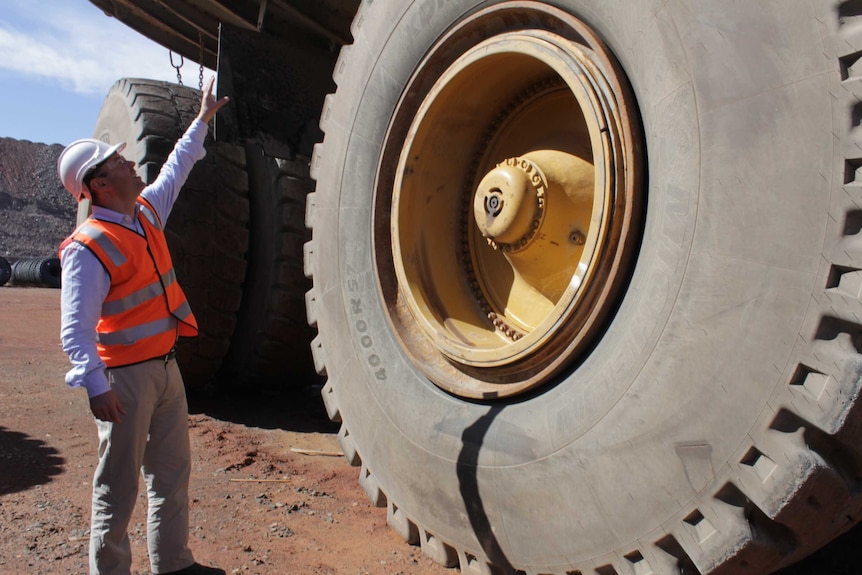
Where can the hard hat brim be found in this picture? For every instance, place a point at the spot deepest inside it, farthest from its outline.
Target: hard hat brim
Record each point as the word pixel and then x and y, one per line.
pixel 111 151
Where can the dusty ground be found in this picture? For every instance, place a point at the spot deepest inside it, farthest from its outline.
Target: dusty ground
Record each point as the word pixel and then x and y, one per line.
pixel 258 506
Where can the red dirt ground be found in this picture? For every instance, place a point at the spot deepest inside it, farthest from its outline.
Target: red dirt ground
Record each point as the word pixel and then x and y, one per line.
pixel 258 506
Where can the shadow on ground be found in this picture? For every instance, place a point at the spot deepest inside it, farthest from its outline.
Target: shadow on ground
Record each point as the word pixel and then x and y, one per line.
pixel 297 409
pixel 27 462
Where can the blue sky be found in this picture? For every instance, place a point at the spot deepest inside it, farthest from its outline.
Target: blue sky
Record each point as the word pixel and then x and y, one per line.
pixel 59 58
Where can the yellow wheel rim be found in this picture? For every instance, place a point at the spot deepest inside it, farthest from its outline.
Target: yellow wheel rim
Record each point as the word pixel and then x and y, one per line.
pixel 512 207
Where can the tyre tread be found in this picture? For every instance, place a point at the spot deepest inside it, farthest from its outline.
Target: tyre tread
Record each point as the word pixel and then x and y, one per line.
pixel 271 346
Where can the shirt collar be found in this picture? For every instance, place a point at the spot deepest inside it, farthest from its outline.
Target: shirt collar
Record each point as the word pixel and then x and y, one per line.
pixel 107 215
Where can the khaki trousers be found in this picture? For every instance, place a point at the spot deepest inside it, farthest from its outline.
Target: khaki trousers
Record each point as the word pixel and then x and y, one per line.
pixel 152 438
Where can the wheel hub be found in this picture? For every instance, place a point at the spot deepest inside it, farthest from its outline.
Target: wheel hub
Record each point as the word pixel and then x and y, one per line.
pixel 509 204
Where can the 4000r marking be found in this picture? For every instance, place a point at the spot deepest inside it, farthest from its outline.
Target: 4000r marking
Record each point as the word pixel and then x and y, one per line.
pixel 366 342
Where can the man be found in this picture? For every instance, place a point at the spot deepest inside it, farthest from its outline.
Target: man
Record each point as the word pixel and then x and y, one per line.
pixel 122 311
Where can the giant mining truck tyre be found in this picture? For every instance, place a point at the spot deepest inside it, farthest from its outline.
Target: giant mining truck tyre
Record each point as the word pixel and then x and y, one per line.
pixel 586 277
pixel 270 346
pixel 207 230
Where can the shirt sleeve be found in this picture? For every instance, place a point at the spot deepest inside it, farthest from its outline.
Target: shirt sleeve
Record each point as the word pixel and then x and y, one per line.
pixel 85 284
pixel 163 192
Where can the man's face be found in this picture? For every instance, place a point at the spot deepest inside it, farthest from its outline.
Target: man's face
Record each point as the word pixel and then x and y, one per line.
pixel 117 174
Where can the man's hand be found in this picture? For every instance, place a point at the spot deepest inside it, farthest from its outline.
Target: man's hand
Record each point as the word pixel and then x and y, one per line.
pixel 209 105
pixel 107 407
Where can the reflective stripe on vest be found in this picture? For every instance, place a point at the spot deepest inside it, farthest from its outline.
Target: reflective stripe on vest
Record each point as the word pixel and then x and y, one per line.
pixel 145 309
pixel 117 257
pixel 134 334
pixel 136 298
pixel 151 217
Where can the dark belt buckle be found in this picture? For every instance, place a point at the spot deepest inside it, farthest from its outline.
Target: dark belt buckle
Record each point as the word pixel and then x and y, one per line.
pixel 171 354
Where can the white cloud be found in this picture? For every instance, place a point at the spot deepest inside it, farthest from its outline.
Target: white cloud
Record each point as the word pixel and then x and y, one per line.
pixel 77 45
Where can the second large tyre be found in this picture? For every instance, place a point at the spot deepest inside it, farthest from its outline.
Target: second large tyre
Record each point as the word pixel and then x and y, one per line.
pixel 270 347
pixel 653 364
pixel 207 230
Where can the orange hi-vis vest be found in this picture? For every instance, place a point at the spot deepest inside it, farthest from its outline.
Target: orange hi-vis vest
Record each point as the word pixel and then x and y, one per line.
pixel 137 318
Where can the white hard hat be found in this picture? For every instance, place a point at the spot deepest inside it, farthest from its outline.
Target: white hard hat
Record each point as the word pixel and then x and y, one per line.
pixel 81 157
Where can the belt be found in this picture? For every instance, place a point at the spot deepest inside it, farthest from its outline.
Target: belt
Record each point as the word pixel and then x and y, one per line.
pixel 168 356
pixel 172 354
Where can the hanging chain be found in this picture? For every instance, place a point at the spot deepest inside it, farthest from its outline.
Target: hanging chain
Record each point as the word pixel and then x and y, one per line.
pixel 182 61
pixel 177 66
pixel 201 61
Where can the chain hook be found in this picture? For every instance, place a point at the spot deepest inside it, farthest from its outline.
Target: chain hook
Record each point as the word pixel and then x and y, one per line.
pixel 177 67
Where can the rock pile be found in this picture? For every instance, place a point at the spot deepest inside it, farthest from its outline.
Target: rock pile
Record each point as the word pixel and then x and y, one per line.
pixel 36 213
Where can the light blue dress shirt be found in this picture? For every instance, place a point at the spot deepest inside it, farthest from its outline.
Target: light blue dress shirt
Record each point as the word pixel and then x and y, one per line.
pixel 85 282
